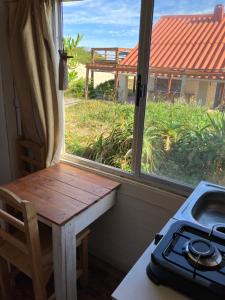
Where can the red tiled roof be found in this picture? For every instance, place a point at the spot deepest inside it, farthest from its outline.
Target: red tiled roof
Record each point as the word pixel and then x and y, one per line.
pixel 187 42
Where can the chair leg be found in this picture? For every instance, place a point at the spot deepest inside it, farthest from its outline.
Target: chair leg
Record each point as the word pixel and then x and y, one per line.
pixel 5 291
pixel 39 288
pixel 84 262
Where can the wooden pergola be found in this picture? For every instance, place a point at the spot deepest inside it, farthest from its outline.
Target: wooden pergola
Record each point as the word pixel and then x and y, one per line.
pixel 110 60
pixel 105 60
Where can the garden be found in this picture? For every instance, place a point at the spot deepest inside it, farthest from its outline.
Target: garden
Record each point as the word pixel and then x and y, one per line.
pixel 181 141
pixel 184 142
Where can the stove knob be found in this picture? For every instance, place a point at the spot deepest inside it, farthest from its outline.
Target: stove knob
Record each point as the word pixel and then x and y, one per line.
pixel 158 238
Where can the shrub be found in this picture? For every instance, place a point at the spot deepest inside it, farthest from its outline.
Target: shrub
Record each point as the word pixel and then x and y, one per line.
pixel 77 88
pixel 105 90
pixel 181 141
pixel 199 154
pixel 114 149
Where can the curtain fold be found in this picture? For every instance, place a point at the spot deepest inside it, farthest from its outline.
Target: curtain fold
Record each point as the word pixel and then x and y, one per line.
pixel 34 61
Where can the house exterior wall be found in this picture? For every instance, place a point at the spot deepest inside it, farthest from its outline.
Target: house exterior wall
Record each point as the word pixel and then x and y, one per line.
pixel 123 88
pixel 99 77
pixel 151 84
pixel 202 92
pixel 203 89
pixel 211 93
pixel 191 86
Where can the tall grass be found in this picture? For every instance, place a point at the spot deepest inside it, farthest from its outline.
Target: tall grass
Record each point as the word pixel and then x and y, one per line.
pixel 181 141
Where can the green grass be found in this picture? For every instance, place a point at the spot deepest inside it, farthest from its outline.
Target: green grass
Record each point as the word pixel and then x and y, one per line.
pixel 181 141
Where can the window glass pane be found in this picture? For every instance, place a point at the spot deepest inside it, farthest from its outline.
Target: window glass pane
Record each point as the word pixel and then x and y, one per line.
pixel 184 133
pixel 99 115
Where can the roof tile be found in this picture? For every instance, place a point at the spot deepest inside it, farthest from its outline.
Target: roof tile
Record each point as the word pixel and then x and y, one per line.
pixel 186 42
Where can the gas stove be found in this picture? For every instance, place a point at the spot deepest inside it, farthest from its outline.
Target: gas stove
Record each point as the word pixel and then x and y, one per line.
pixel 190 259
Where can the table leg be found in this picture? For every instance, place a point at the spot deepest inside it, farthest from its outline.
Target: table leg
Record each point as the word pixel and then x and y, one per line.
pixel 64 260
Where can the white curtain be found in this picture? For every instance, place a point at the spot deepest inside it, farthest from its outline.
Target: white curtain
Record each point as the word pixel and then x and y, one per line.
pixel 33 56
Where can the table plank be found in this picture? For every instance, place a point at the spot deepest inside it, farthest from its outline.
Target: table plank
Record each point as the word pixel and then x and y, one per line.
pixel 99 180
pixel 61 192
pixel 77 182
pixel 63 188
pixel 55 207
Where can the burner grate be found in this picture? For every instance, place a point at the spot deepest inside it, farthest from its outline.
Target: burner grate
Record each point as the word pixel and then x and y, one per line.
pixel 182 262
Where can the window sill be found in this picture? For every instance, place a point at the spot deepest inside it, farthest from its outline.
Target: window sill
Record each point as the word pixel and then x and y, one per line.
pixel 125 177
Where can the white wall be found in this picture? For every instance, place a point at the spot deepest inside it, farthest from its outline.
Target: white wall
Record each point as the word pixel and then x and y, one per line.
pixel 202 92
pixel 123 88
pixel 211 92
pixel 191 86
pixel 122 235
pixel 99 77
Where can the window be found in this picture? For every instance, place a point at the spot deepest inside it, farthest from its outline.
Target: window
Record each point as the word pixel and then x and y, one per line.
pixel 154 108
pixel 184 137
pixel 99 103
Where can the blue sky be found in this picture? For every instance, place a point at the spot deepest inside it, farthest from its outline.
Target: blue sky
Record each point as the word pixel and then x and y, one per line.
pixel 115 23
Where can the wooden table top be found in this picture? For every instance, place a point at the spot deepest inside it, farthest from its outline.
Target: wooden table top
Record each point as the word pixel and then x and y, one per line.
pixel 61 192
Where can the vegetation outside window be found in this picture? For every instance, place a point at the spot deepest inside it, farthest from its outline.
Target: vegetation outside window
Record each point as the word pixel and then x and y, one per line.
pixel 184 129
pixel 99 103
pixel 180 123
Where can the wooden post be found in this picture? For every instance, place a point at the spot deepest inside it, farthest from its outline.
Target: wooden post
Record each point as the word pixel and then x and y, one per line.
pixel 86 83
pixel 169 84
pixel 116 84
pixel 134 84
pixel 92 56
pixel 155 89
pixel 183 84
pixel 117 56
pixel 169 89
pixel 92 79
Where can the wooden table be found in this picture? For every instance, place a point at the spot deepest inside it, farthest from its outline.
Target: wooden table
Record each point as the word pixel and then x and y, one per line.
pixel 68 199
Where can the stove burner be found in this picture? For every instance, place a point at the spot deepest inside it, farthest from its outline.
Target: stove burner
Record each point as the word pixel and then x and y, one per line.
pixel 191 259
pixel 203 253
pixel 201 247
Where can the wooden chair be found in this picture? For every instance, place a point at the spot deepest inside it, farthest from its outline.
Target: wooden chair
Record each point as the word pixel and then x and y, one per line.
pixel 28 247
pixel 20 244
pixel 31 156
pixel 82 260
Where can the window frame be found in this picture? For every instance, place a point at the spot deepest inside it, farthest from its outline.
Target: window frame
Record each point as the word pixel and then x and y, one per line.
pixel 167 184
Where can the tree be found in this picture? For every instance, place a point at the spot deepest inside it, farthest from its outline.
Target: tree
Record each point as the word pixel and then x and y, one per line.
pixel 80 56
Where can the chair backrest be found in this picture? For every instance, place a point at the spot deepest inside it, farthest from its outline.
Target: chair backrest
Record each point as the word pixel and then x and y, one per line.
pixel 31 156
pixel 19 216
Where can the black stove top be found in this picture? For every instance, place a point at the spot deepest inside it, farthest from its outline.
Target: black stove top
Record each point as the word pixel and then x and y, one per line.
pixel 191 259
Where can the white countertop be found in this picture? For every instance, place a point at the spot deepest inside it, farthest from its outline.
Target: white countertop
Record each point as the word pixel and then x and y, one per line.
pixel 137 286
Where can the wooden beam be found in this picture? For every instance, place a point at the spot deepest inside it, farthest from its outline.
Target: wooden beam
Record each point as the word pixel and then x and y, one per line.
pixel 193 73
pixel 117 56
